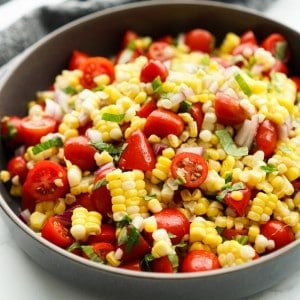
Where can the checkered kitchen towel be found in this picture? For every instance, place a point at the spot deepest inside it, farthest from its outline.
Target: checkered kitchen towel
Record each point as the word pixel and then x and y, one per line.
pixel 44 19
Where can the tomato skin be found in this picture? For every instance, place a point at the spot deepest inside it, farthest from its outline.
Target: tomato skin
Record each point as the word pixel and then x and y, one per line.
pixel 134 265
pixel 199 260
pixel 279 232
pixel 18 166
pixel 11 131
pixel 84 199
pixel 161 265
pixel 191 166
pixel 239 206
pixel 107 234
pixel 174 222
pixel 296 79
pixel 248 37
pixel 245 48
pixel 147 108
pixel 153 69
pixel 102 249
pixel 266 137
pixel 39 183
pixel 271 42
pixel 54 231
pixel 138 153
pixel 228 110
pixel 199 40
pixel 93 67
pixel 79 152
pixel 32 129
pixel 77 58
pixel 161 51
pixel 128 37
pixel 163 122
pixel 230 234
pixel 197 114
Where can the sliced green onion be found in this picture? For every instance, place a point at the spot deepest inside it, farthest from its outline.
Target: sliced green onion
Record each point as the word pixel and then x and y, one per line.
pixel 235 187
pixel 69 90
pixel 149 197
pixel 12 131
pixel 157 85
pixel 280 50
pixel 113 117
pixel 205 60
pixel 99 184
pixel 173 258
pixel 74 246
pixel 228 145
pixel 242 239
pixel 243 84
pixel 133 238
pixel 91 254
pixel 112 150
pixel 56 142
pixel 185 106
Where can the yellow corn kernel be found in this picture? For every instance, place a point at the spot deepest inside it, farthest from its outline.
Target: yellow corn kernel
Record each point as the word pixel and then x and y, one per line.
pixel 74 174
pixel 103 158
pixel 230 41
pixel 201 206
pixel 59 206
pixel 112 260
pixel 161 248
pixel 154 205
pixel 16 190
pixel 4 176
pixel 199 246
pixel 37 221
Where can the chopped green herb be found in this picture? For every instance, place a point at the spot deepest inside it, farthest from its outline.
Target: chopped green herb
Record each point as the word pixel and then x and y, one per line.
pixel 157 85
pixel 124 222
pixel 56 142
pixel 242 239
pixel 133 238
pixel 228 177
pixel 149 197
pixel 205 60
pixel 91 254
pixel 12 131
pixel 99 183
pixel 74 246
pixel 280 50
pixel 146 262
pixel 228 144
pixel 243 84
pixel 173 258
pixel 98 88
pixel 185 106
pixel 69 90
pixel 131 45
pixel 269 168
pixel 113 117
pixel 228 189
pixel 111 149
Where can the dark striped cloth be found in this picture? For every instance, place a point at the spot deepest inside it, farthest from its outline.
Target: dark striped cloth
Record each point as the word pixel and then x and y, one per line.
pixel 37 23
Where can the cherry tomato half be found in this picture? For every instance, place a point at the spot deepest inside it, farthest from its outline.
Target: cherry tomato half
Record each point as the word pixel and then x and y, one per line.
pixel 55 232
pixel 10 131
pixel 147 107
pixel 191 167
pixel 93 67
pixel 138 153
pixel 248 37
pixel 266 137
pixel 174 222
pixel 107 234
pixel 197 114
pixel 228 110
pixel 161 265
pixel 153 69
pixel 199 40
pixel 18 166
pixel 46 181
pixel 33 128
pixel 163 122
pixel 102 249
pixel 77 58
pixel 279 232
pixel 199 260
pixel 79 152
pixel 161 51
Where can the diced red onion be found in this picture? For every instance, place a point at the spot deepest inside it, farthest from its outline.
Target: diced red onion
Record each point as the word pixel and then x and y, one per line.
pixel 66 216
pixel 186 90
pixel 25 215
pixel 94 135
pixel 196 150
pixel 177 98
pixel 158 148
pixel 83 118
pixel 285 128
pixel 105 167
pixel 247 132
pixel 62 99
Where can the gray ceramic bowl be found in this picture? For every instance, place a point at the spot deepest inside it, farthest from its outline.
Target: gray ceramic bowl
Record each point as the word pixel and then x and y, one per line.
pixel 101 33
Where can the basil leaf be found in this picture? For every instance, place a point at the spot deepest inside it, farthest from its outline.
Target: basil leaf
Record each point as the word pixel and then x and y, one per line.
pixel 243 84
pixel 113 117
pixel 228 144
pixel 57 142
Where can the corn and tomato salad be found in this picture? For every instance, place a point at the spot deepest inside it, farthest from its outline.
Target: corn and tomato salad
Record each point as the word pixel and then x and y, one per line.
pixel 179 154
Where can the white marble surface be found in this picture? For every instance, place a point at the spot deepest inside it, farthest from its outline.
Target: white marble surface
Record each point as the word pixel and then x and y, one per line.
pixel 20 278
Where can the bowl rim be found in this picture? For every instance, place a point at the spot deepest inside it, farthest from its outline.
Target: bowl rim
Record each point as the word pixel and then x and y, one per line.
pixel 16 62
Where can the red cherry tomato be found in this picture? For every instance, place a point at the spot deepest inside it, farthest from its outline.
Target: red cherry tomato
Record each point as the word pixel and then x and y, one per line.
pixel 138 153
pixel 107 234
pixel 199 40
pixel 101 196
pixel 248 37
pixel 239 206
pixel 162 265
pixel 148 107
pixel 296 79
pixel 137 251
pixel 79 152
pixel 134 265
pixel 199 260
pixel 197 114
pixel 245 49
pixel 84 199
pixel 161 51
pixel 232 233
pixel 46 181
pixel 266 137
pixel 277 45
pixel 191 167
pixel 55 232
pixel 102 249
pixel 153 69
pixel 279 232
pixel 77 58
pixel 11 131
pixel 128 37
pixel 174 222
pixel 228 110
pixel 33 128
pixel 162 122
pixel 18 166
pixel 279 66
pixel 93 67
